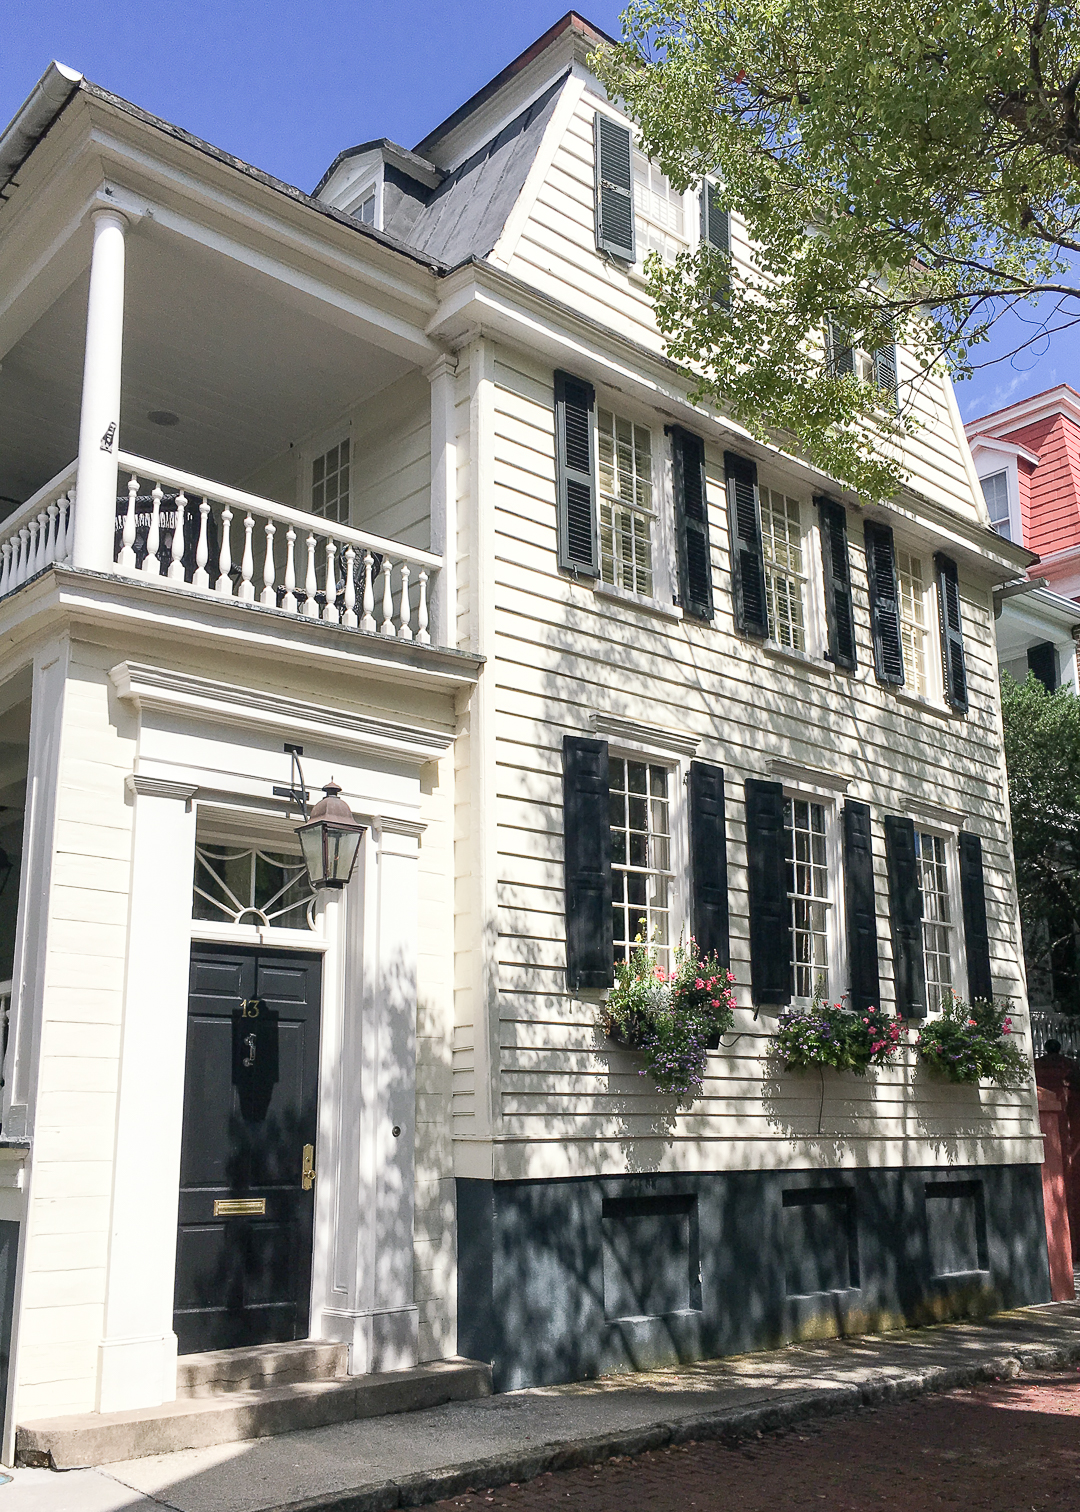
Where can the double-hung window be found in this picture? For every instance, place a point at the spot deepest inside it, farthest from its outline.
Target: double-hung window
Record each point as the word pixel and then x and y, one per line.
pixel 641 874
pixel 784 556
pixel 627 512
pixel 805 824
pixel 938 925
pixel 911 589
pixel 330 484
pixel 996 493
pixel 659 212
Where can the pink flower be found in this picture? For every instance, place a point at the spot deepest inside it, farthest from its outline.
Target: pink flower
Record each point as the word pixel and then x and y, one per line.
pixel 731 976
pixel 700 985
pixel 716 1002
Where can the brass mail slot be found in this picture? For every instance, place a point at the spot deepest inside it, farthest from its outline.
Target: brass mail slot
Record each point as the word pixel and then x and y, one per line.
pixel 236 1207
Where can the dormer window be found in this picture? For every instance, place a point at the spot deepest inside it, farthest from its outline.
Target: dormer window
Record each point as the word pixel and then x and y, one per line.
pixel 659 212
pixel 996 492
pixel 363 205
pixel 366 210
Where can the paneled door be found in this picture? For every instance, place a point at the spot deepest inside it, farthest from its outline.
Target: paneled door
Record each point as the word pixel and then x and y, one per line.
pixel 243 1257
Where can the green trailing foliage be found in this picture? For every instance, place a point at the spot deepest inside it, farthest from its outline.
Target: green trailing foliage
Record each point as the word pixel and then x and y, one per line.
pixel 971 1044
pixel 673 1017
pixel 908 171
pixel 831 1034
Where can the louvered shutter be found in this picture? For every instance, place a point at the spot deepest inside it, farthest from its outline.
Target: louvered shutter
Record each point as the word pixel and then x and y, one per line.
pixel 614 188
pixel 861 908
pixel 575 486
pixel 1044 661
pixel 747 562
pixel 905 917
pixel 716 232
pixel 976 934
pixel 884 604
pixel 952 634
pixel 708 860
pixel 587 863
pixel 839 610
pixel 885 366
pixel 692 524
pixel 838 357
pixel 770 906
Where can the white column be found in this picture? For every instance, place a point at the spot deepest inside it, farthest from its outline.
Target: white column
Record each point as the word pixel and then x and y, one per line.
pixel 441 376
pixel 137 1354
pixel 99 422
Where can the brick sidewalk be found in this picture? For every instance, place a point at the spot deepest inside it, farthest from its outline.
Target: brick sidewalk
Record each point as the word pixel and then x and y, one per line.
pixel 999 1448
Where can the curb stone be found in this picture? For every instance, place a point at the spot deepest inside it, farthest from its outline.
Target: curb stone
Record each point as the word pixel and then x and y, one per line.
pixel 824 1401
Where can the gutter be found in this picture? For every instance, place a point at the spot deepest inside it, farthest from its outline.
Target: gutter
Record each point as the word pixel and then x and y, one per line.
pixel 45 102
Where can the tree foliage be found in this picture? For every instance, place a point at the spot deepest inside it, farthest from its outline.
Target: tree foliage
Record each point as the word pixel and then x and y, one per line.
pixel 1042 753
pixel 910 167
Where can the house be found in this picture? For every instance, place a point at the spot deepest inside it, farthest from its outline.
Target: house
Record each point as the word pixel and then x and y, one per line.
pixel 1028 460
pixel 391 489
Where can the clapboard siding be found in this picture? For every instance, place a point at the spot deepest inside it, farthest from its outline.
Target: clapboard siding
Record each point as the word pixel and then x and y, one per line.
pixel 559 651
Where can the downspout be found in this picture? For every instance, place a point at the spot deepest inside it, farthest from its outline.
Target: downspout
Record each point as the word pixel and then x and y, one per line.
pixel 46 100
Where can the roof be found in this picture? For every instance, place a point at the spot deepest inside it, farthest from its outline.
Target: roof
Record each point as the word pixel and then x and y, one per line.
pixel 465 216
pixel 1062 398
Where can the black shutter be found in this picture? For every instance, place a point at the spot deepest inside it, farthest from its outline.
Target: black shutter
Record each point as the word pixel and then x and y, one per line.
pixel 884 603
pixel 708 860
pixel 905 916
pixel 770 906
pixel 839 611
pixel 716 232
pixel 861 908
pixel 747 562
pixel 1043 660
pixel 838 357
pixel 587 863
pixel 976 934
pixel 614 189
pixel 885 365
pixel 692 524
pixel 575 487
pixel 952 634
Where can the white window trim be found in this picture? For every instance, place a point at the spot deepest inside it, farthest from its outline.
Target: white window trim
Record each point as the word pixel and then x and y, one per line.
pixel 359 192
pixel 678 822
pixel 837 916
pixel 950 833
pixel 814 627
pixel 934 697
pixel 664 573
pixel 993 455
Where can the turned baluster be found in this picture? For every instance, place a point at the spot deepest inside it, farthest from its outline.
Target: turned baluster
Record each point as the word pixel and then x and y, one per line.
pixel 422 636
pixel 368 620
pixel 126 560
pixel 22 572
pixel 68 534
pixel 200 577
pixel 246 591
pixel 311 586
pixel 151 566
pixel 5 567
pixel 330 608
pixel 289 599
pixel 269 594
pixel 224 584
pixel 33 530
pixel 349 617
pixel 40 559
pixel 405 616
pixel 387 626
pixel 50 539
pixel 176 554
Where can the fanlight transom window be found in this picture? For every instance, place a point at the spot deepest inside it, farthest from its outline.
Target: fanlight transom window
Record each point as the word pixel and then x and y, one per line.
pixel 252 886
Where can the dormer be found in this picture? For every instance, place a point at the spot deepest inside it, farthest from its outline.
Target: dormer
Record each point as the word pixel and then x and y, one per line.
pixel 378 183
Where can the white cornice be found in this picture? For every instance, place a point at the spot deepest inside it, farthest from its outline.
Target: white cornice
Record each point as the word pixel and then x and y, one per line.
pixel 798 775
pixel 648 735
pixel 160 787
pixel 1003 448
pixel 936 813
pixel 160 687
pixel 1061 400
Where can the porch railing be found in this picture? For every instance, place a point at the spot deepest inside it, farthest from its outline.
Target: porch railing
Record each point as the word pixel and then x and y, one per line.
pixel 191 533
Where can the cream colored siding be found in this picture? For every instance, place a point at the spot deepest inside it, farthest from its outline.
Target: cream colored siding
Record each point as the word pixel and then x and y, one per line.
pixel 562 652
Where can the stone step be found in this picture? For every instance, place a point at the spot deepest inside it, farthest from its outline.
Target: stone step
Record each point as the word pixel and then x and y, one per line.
pixel 101 1438
pixel 258 1367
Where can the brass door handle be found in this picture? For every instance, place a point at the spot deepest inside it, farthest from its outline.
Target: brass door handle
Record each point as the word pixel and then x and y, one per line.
pixel 307 1170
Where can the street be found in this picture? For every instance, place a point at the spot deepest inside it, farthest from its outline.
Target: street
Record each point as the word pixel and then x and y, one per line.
pixel 1007 1447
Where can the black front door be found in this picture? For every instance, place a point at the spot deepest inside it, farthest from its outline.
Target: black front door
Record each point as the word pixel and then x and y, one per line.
pixel 243 1256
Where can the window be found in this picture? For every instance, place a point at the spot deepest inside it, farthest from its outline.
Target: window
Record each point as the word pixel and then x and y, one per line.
pixel 808 886
pixel 996 492
pixel 641 875
pixel 626 504
pixel 659 212
pixel 251 886
pixel 330 484
pixel 938 924
pixel 911 600
pixel 365 211
pixel 782 549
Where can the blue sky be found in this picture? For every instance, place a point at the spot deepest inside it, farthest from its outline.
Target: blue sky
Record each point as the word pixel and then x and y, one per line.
pixel 287 85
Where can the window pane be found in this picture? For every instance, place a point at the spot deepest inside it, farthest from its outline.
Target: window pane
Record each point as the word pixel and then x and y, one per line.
pixel 625 503
pixel 808 884
pixel 996 492
pixel 782 548
pixel 938 927
pixel 911 592
pixel 640 853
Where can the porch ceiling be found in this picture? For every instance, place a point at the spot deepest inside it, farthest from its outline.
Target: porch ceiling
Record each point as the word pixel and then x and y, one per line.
pixel 248 366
